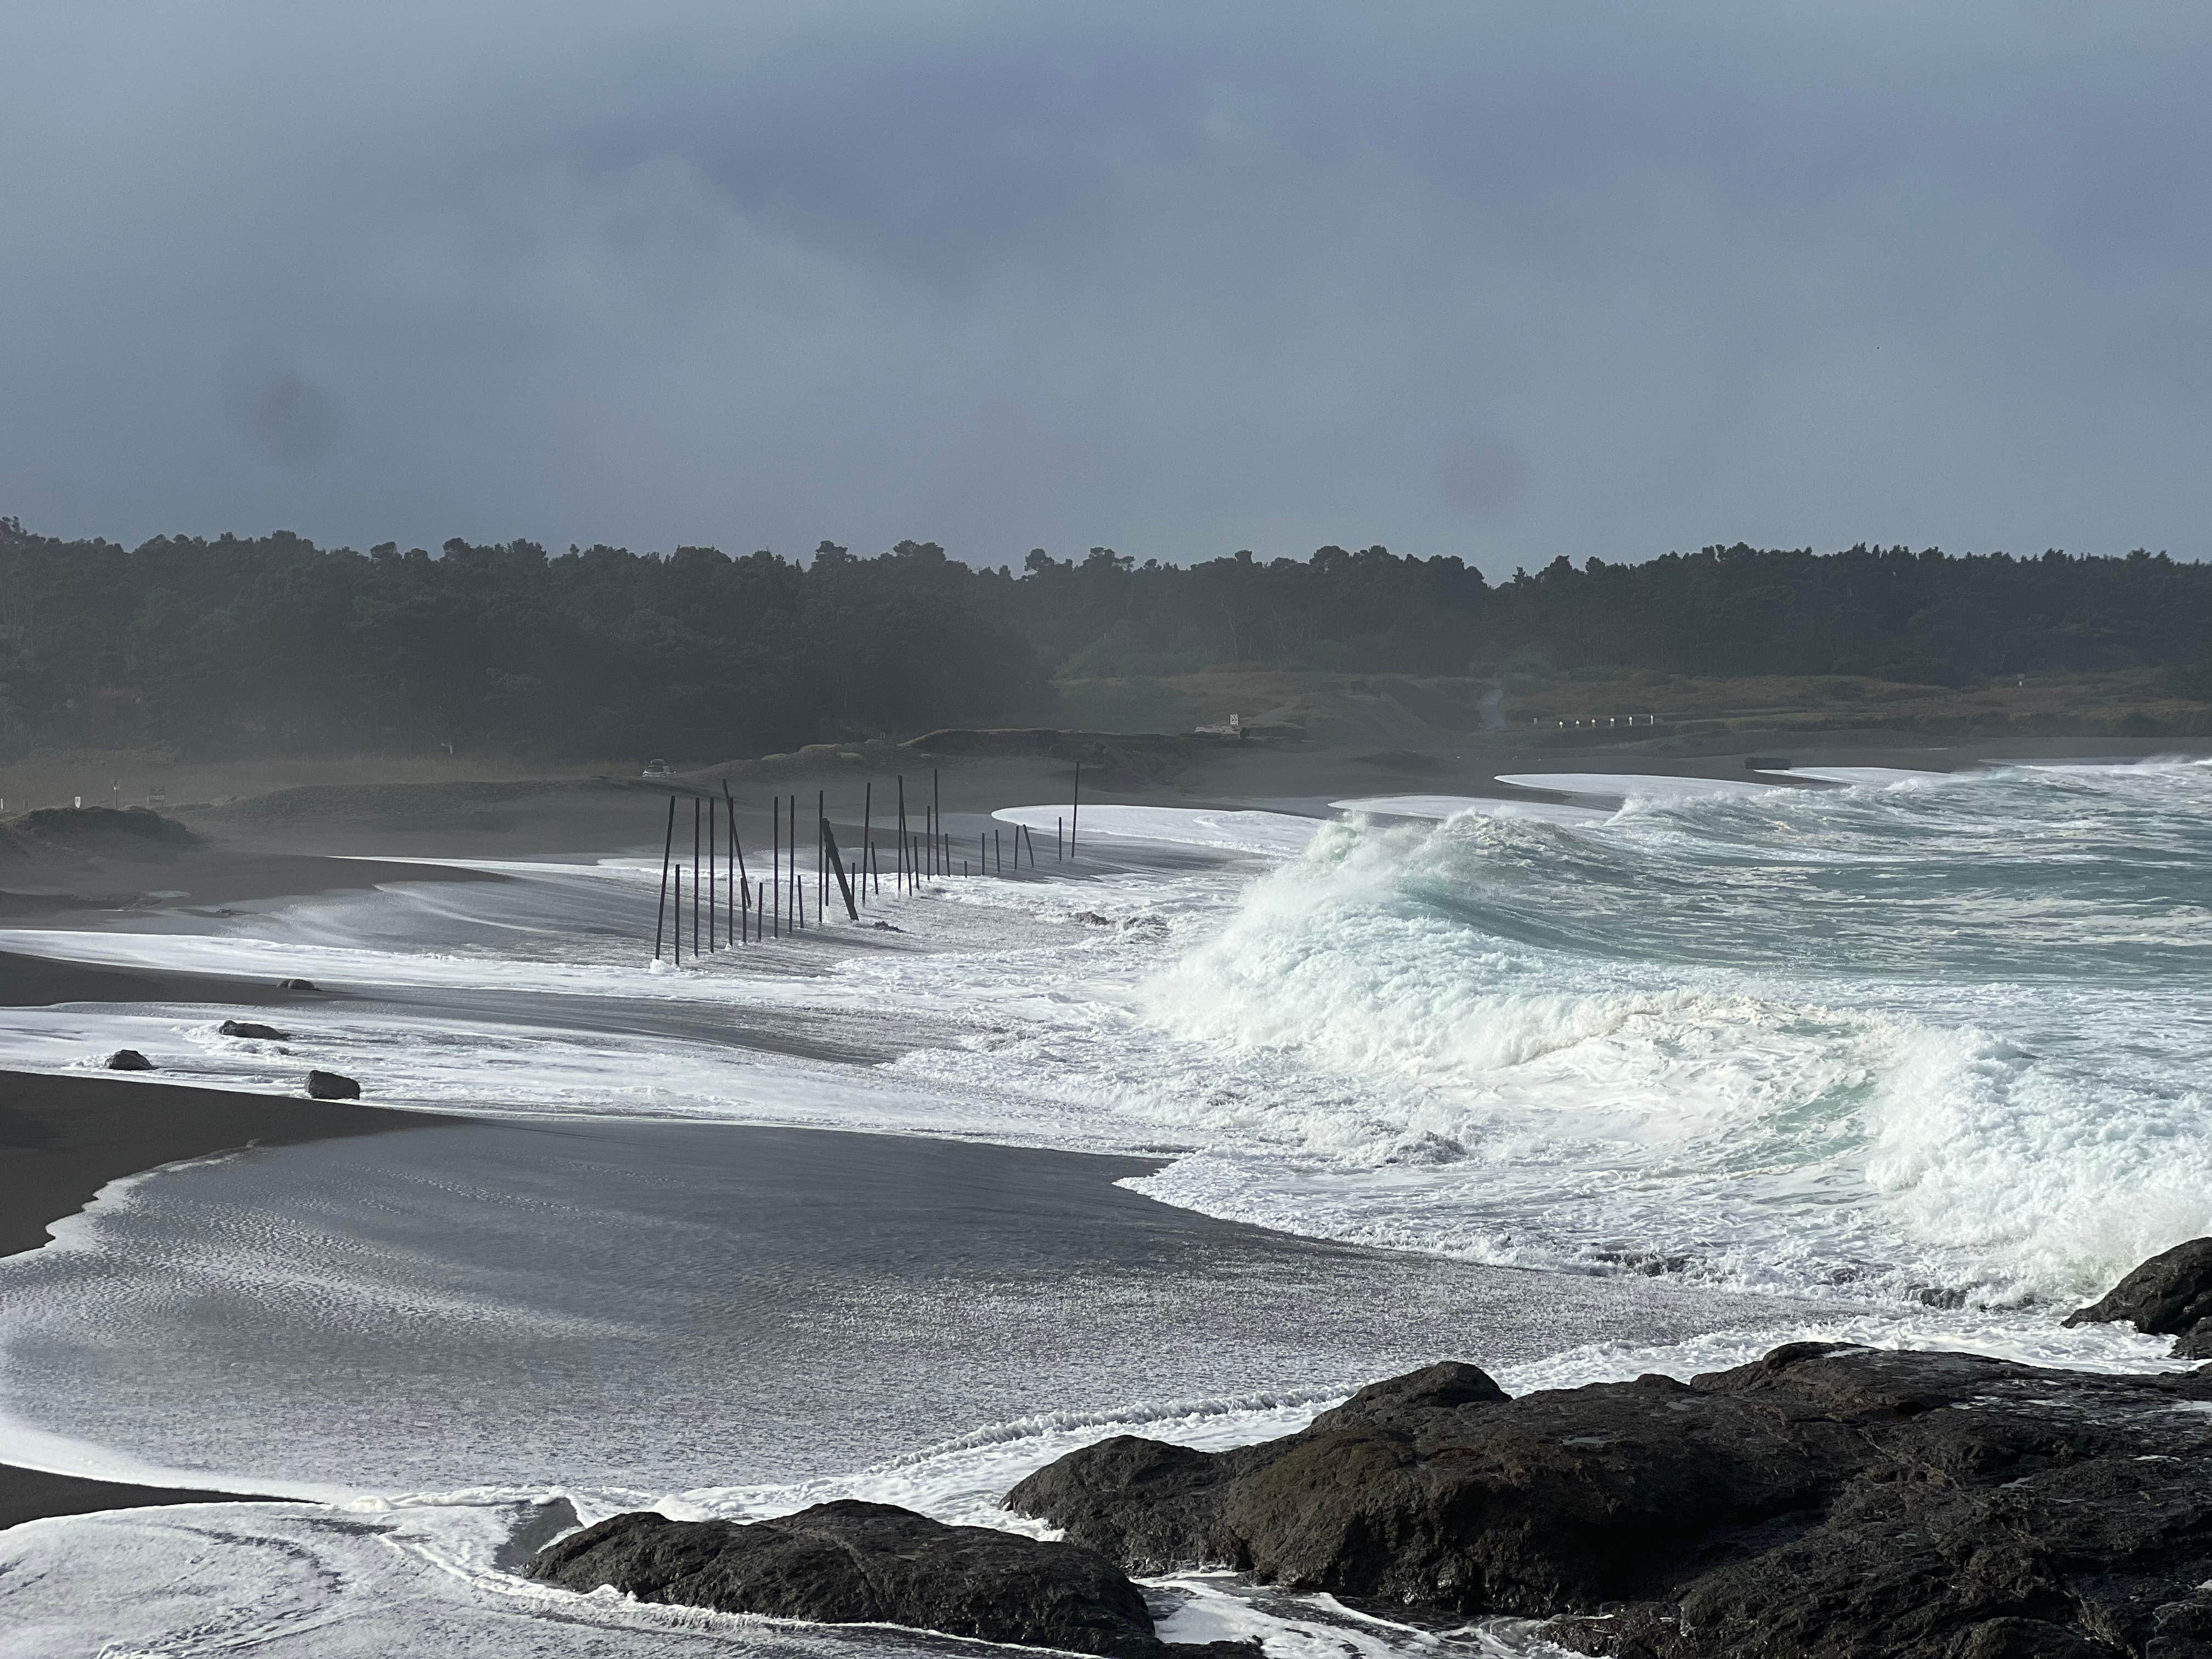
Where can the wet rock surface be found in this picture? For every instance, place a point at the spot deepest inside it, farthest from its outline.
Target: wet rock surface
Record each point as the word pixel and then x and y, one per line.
pixel 856 1563
pixel 332 1085
pixel 259 1032
pixel 2170 1295
pixel 1825 1500
pixel 128 1059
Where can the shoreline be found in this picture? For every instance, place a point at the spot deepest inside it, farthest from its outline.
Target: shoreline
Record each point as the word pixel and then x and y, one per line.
pixel 62 1138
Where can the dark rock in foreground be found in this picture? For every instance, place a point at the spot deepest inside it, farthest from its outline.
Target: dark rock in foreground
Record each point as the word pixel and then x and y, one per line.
pixel 129 1059
pixel 852 1563
pixel 2170 1295
pixel 1824 1501
pixel 331 1085
pixel 246 1028
pixel 296 985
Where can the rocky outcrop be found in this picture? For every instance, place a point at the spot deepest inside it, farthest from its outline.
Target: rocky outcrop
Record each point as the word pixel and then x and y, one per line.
pixel 246 1028
pixel 128 1059
pixel 854 1563
pixel 332 1085
pixel 1824 1501
pixel 2170 1295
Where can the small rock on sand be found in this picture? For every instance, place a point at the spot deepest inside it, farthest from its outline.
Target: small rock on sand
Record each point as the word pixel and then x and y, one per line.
pixel 296 985
pixel 246 1028
pixel 129 1059
pixel 330 1085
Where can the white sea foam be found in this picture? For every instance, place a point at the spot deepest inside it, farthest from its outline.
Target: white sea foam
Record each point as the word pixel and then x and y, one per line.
pixel 1446 806
pixel 1876 777
pixel 1653 788
pixel 1277 834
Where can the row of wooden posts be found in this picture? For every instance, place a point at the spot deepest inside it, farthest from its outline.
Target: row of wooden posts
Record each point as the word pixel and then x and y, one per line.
pixel 739 910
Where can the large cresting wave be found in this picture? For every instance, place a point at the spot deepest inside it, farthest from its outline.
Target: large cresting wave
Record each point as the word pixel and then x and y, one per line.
pixel 1946 1039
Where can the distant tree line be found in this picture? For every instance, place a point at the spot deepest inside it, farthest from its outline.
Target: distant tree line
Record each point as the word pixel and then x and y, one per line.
pixel 273 645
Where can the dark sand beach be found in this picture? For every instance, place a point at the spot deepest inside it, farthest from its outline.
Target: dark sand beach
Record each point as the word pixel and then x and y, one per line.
pixel 62 1139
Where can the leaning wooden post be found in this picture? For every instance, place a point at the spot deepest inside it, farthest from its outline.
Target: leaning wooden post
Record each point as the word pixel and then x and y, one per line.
pixel 667 849
pixel 837 864
pixel 741 895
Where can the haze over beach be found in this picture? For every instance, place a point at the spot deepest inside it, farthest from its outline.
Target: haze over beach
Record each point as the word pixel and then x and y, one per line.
pixel 1242 834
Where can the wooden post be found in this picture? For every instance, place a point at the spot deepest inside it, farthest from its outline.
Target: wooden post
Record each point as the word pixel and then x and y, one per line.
pixel 902 831
pixel 776 858
pixel 1059 837
pixel 741 892
pixel 1075 808
pixel 797 881
pixel 679 915
pixel 712 853
pixel 694 875
pixel 868 833
pixel 937 819
pixel 821 830
pixel 668 847
pixel 999 851
pixel 837 864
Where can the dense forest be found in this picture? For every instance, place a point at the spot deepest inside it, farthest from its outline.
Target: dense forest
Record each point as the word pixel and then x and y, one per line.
pixel 273 645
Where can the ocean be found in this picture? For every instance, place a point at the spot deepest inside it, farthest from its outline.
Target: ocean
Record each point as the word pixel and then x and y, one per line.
pixel 1187 1138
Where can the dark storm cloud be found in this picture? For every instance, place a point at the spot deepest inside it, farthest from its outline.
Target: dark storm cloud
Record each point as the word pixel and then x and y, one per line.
pixel 1508 281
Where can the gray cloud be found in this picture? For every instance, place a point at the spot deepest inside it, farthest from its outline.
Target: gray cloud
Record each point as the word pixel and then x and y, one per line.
pixel 1508 281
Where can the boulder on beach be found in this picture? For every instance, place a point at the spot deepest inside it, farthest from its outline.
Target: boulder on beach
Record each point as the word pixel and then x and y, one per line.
pixel 1825 1500
pixel 2170 1295
pixel 297 985
pixel 246 1028
pixel 850 1563
pixel 331 1085
pixel 129 1059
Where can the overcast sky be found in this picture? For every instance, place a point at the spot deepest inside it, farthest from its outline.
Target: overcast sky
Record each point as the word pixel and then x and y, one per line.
pixel 1508 280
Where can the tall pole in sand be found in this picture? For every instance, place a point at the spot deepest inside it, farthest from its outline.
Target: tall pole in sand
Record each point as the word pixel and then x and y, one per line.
pixel 797 881
pixel 1075 809
pixel 667 847
pixel 821 859
pixel 712 889
pixel 901 832
pixel 694 875
pixel 679 915
pixel 867 835
pixel 775 858
pixel 937 816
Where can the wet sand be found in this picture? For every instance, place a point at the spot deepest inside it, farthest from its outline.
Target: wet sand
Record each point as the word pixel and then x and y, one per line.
pixel 62 1139
pixel 85 892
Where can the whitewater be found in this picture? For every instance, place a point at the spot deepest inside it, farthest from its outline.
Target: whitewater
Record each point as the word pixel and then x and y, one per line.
pixel 1899 1058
